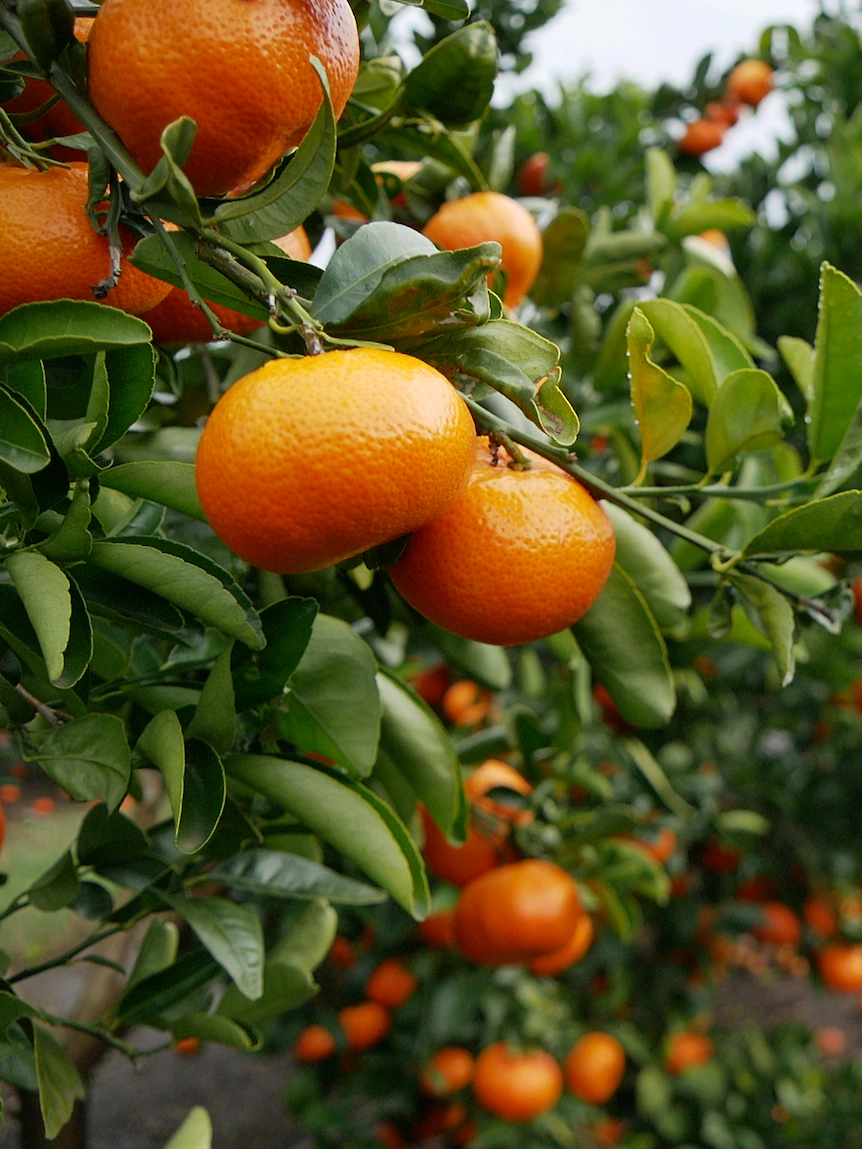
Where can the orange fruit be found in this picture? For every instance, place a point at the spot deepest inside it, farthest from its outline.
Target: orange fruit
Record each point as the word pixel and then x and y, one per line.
pixel 314 1044
pixel 439 1120
pixel 723 112
pixel 432 683
pixel 702 136
pixel 341 952
pixel 389 1136
pixel 177 320
pixel 781 926
pixel 448 1071
pixel 719 858
pixel 391 984
pixel 519 556
pixel 516 1086
pixel 459 865
pixel 830 1040
pixel 687 1049
pixel 486 216
pixel 10 793
pixel 188 1046
pixel 517 912
pixel 608 1132
pixel 364 1024
pixel 594 1067
pixel 757 889
pixel 750 82
pixel 659 847
pixel 840 967
pixel 466 703
pixel 532 177
pixel 438 930
pixel 562 959
pixel 239 68
pixel 42 806
pixel 309 461
pixel 50 249
pixel 491 775
pixel 818 914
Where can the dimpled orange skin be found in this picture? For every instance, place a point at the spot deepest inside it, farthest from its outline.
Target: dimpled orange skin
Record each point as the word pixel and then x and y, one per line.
pixel 306 462
pixel 487 216
pixel 239 68
pixel 49 249
pixel 520 556
pixel 177 320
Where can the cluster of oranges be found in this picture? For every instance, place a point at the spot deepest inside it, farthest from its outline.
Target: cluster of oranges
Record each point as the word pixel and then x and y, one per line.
pixel 749 83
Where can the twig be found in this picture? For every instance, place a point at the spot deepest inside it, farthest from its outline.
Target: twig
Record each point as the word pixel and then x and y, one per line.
pixel 55 717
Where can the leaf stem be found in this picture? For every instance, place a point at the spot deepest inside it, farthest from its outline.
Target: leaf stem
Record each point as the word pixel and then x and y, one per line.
pixel 93 1031
pixel 719 490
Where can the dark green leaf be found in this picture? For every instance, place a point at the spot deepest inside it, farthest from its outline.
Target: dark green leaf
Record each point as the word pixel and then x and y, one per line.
pixel 58 615
pixel 158 951
pixel 60 1083
pixel 149 997
pixel 455 80
pixel 830 524
pixel 23 443
pixel 121 601
pixel 233 935
pixel 107 839
pixel 66 327
pixel 259 677
pixel 89 758
pixel 650 567
pixel 273 874
pixel 212 1027
pixel 131 377
pixel 837 382
pixel 57 887
pixel 214 719
pixel 171 484
pixel 774 616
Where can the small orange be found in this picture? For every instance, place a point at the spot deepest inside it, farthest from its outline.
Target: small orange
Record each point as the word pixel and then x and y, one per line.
pixel 723 112
pixel 438 930
pixel 687 1049
pixel 432 683
pixel 719 858
pixel 341 952
pixel 516 1086
pixel 486 216
pixel 702 136
pixel 780 927
pixel 520 555
pixel 466 703
pixel 820 916
pixel 364 1024
pixel 42 806
pixel 750 82
pixel 550 964
pixel 306 462
pixel 660 847
pixel 489 776
pixel 459 865
pixel 50 249
pixel 10 793
pixel 840 967
pixel 532 177
pixel 594 1067
pixel 314 1044
pixel 239 68
pixel 448 1071
pixel 608 1132
pixel 757 889
pixel 391 984
pixel 830 1040
pixel 188 1046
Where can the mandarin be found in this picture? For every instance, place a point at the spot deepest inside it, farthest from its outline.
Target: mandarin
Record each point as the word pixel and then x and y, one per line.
pixel 840 967
pixel 239 68
pixel 594 1067
pixel 520 555
pixel 702 136
pixel 364 1024
pixel 315 1043
pixel 306 462
pixel 486 216
pixel 391 984
pixel 516 1086
pixel 687 1049
pixel 780 925
pixel 448 1071
pixel 562 959
pixel 750 82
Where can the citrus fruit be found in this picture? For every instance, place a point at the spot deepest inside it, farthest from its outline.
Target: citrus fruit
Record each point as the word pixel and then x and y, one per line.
pixel 659 847
pixel 389 1136
pixel 364 1024
pixel 50 250
pixel 239 68
pixel 314 1044
pixel 432 683
pixel 819 915
pixel 516 912
pixel 608 1132
pixel 341 952
pixel 532 177
pixel 519 556
pixel 460 865
pixel 723 112
pixel 750 82
pixel 516 1086
pixel 562 959
pixel 188 1046
pixel 491 775
pixel 780 926
pixel 830 1040
pixel 687 1049
pixel 309 461
pixel 448 1071
pixel 594 1067
pixel 840 967
pixel 177 320
pixel 391 984
pixel 438 930
pixel 466 703
pixel 702 136
pixel 486 216
pixel 757 889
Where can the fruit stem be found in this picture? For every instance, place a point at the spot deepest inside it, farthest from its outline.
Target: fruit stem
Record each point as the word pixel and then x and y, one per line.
pixel 745 494
pixel 518 461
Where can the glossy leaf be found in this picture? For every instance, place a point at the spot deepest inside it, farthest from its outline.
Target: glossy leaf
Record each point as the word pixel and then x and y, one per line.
pixel 27 378
pixel 261 676
pixel 309 937
pixel 622 642
pixel 645 560
pixel 214 719
pixel 672 323
pixel 47 598
pixel 563 241
pixel 455 80
pixel 157 992
pixel 728 353
pixel 233 935
pixel 72 541
pixel 66 327
pixel 285 987
pixel 132 378
pixel 799 357
pixel 837 383
pixel 57 887
pixel 60 1083
pixel 106 839
pixel 775 617
pixel 273 874
pixel 119 600
pixel 23 443
pixel 157 952
pixel 212 1027
pixel 748 413
pixel 831 524
pixel 662 404
pixel 89 758
pixel 171 484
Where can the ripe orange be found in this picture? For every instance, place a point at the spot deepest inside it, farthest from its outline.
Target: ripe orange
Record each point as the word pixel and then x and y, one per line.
pixel 582 938
pixel 519 556
pixel 50 250
pixel 750 82
pixel 820 916
pixel 239 68
pixel 516 1086
pixel 341 952
pixel 517 912
pixel 532 177
pixel 459 865
pixel 309 461
pixel 594 1067
pixel 781 926
pixel 177 320
pixel 660 847
pixel 42 806
pixel 364 1024
pixel 719 858
pixel 314 1044
pixel 188 1046
pixel 466 703
pixel 687 1049
pixel 840 967
pixel 702 136
pixel 723 112
pixel 432 683
pixel 487 216
pixel 448 1071
pixel 10 792
pixel 609 1131
pixel 757 889
pixel 438 930
pixel 490 775
pixel 391 984
pixel 830 1040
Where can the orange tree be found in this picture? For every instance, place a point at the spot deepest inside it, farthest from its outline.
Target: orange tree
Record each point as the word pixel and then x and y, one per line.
pixel 274 705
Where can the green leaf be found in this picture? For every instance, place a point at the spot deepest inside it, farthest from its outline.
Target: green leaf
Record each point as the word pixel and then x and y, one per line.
pixel 656 777
pixel 108 839
pixel 728 353
pixel 158 950
pixel 57 887
pixel 622 643
pixel 702 215
pixel 194 779
pixel 132 378
pixel 660 184
pixel 332 706
pixel 152 995
pixel 309 937
pixel 47 599
pixel 285 987
pixel 455 80
pixel 214 719
pixel 184 577
pixel 17 630
pixel 27 378
pixel 212 1027
pixel 273 874
pixel 650 567
pixel 89 758
pixel 60 1084
pixel 13 1008
pixel 563 242
pixel 120 601
pixel 662 404
pixel 748 413
pixel 837 384
pixel 233 935
pixel 445 9
pixel 673 324
pixel 831 524
pixel 72 540
pixel 66 327
pixel 847 459
pixel 799 357
pixel 23 442
pixel 489 665
pixel 774 616
pixel 416 744
pixel 196 1132
pixel 170 484
pixel 347 816
pixel 261 676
